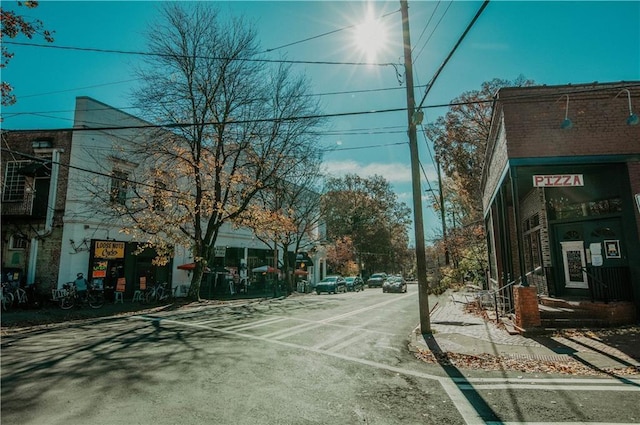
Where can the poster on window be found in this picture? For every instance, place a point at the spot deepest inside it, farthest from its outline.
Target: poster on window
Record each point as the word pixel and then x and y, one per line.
pixel 574 265
pixel 612 249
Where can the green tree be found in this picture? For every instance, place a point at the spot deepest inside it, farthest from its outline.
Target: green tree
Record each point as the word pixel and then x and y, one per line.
pixel 12 26
pixel 368 212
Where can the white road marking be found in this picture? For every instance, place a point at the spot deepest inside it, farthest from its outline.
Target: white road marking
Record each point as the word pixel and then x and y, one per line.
pixel 251 325
pixel 454 387
pixel 523 386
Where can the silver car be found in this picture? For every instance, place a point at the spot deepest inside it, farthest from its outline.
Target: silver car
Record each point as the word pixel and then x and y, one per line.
pixel 394 284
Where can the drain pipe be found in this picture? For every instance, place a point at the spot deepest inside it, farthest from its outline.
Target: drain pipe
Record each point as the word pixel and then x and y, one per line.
pixel 48 224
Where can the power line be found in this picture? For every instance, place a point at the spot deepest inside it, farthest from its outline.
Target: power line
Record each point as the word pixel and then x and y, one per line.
pixel 455 47
pixel 165 55
pixel 10 115
pixel 365 147
pixel 325 34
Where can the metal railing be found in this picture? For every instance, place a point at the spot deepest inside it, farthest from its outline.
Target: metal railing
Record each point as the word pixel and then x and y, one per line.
pixel 23 207
pixel 503 300
pixel 609 283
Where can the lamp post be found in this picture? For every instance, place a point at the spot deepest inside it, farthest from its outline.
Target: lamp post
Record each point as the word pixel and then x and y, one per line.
pixel 412 118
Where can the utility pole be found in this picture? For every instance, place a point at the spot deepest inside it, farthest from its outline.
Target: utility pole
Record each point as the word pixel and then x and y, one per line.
pixel 421 259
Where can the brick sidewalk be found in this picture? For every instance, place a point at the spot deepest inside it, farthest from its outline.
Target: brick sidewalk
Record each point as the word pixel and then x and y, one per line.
pixel 456 330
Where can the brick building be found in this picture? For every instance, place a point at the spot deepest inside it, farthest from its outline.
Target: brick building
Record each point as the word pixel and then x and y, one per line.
pixel 561 192
pixel 33 202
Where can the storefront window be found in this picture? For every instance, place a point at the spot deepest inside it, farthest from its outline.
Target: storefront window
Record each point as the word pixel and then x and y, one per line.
pixel 563 208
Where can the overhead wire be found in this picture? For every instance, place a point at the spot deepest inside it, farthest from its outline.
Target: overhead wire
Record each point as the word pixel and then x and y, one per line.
pixel 141 53
pixel 325 34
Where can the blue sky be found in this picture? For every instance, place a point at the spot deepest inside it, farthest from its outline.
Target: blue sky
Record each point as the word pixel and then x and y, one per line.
pixel 549 42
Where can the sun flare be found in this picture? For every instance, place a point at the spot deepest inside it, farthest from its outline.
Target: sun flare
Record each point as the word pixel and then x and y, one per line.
pixel 370 37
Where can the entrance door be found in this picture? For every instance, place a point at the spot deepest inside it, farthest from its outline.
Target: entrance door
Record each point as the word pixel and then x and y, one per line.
pixel 572 240
pixel 574 261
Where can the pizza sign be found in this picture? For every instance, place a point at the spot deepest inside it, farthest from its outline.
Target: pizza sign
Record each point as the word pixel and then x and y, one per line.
pixel 558 180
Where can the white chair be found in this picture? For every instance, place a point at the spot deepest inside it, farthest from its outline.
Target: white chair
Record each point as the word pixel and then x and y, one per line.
pixel 137 296
pixel 119 297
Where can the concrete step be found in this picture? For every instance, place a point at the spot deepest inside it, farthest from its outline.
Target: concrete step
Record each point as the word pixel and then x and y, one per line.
pixel 547 312
pixel 575 322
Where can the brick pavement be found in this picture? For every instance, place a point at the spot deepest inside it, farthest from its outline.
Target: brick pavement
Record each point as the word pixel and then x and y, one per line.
pixel 458 331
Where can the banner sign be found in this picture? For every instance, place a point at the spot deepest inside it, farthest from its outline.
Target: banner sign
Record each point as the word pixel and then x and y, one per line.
pixel 558 180
pixel 109 249
pixel 220 251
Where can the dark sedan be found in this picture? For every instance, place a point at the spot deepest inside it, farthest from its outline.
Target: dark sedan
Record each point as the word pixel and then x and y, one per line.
pixel 376 280
pixel 354 283
pixel 395 284
pixel 331 284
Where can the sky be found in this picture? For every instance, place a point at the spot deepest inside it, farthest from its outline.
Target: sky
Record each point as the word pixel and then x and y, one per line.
pixel 552 43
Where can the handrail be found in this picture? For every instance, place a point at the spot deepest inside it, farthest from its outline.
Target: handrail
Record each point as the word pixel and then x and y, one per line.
pixel 494 294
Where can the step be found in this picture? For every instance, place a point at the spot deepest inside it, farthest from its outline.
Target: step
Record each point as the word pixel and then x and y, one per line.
pixel 564 323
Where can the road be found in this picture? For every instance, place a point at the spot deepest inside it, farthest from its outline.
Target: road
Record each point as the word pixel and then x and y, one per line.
pixel 311 359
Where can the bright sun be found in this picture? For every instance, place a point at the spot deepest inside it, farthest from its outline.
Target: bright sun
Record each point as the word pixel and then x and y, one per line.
pixel 370 37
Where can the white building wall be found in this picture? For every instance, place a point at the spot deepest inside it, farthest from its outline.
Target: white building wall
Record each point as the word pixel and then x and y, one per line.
pixel 91 163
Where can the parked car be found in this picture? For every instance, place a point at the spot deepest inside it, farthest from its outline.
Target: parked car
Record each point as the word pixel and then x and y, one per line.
pixel 394 284
pixel 354 283
pixel 376 280
pixel 331 284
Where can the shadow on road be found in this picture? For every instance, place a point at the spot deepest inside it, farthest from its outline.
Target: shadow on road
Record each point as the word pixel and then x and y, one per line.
pixel 475 399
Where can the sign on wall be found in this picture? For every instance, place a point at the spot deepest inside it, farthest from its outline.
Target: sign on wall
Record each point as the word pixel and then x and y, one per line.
pixel 220 251
pixel 558 180
pixel 109 249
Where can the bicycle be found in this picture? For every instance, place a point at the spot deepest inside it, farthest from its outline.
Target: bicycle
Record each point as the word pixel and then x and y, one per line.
pixel 13 294
pixel 71 298
pixel 157 292
pixel 7 297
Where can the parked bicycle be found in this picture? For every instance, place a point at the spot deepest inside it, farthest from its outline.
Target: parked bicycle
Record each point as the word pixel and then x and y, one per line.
pixel 13 295
pixel 71 297
pixel 157 292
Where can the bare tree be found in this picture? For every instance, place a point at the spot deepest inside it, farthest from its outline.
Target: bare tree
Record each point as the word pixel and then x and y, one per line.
pixel 233 126
pixel 293 211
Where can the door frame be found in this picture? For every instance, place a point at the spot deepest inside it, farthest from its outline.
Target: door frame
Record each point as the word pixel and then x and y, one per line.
pixel 573 246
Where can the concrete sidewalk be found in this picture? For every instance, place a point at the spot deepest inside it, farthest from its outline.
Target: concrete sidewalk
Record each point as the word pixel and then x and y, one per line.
pixel 455 330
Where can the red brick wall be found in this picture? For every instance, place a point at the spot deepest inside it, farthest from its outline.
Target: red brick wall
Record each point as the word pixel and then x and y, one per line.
pixel 526 305
pixel 599 121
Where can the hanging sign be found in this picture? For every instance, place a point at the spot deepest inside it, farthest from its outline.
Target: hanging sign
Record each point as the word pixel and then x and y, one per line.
pixel 558 180
pixel 220 251
pixel 109 249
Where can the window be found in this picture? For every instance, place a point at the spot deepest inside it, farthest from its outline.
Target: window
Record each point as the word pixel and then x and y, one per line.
pixel 14 183
pixel 18 242
pixel 119 186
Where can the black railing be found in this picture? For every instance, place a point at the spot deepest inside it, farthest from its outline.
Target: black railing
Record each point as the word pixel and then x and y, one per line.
pixel 16 208
pixel 609 283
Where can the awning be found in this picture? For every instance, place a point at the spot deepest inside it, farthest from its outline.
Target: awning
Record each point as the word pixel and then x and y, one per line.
pixel 191 266
pixel 265 269
pixel 303 258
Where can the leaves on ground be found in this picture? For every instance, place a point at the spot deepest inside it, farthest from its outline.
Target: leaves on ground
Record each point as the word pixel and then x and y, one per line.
pixel 491 362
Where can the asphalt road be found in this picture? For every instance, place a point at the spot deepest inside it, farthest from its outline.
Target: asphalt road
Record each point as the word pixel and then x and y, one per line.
pixel 311 359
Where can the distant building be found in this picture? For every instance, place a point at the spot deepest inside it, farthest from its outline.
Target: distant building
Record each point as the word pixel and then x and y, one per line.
pixel 52 223
pixel 561 190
